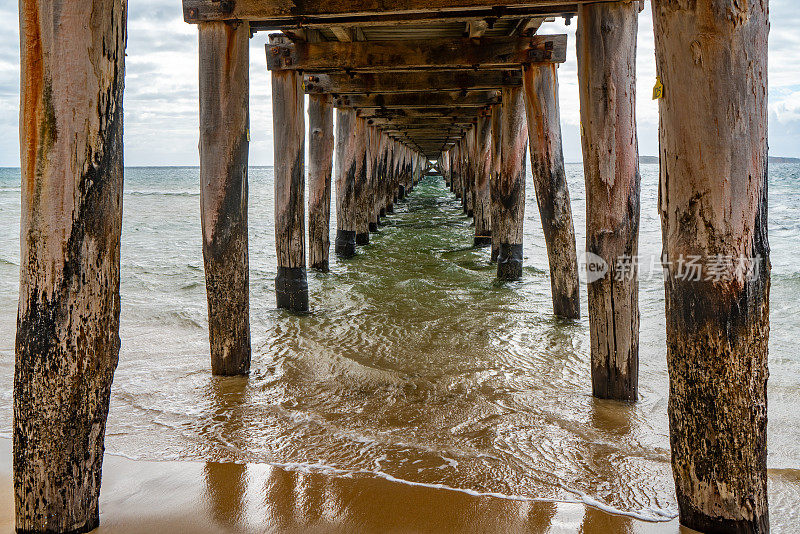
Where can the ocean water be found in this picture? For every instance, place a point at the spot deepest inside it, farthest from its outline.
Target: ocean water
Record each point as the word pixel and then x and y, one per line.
pixel 414 364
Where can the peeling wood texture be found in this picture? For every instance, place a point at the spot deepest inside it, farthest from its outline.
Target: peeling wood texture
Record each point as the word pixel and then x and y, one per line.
pixel 320 166
pixel 468 194
pixel 346 171
pixel 410 55
pixel 67 343
pixel 291 286
pixel 550 183
pixel 224 123
pixel 712 59
pixel 607 74
pixel 508 192
pixel 410 82
pixel 483 169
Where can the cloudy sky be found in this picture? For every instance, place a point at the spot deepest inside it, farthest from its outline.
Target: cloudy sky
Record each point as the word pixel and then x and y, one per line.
pixel 161 125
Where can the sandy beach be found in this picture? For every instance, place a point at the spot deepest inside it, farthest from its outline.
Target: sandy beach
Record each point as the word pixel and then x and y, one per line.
pixel 190 497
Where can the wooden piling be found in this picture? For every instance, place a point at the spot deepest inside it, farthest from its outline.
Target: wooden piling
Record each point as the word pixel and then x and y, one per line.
pixel 469 172
pixel 291 286
pixel 483 170
pixel 540 82
pixel 346 169
pixel 712 60
pixel 67 342
pixel 607 75
pixel 224 147
pixel 510 186
pixel 362 183
pixel 320 165
pixel 494 177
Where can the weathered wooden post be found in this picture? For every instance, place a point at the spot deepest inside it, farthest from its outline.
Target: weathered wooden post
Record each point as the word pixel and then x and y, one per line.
pixel 456 170
pixel 712 60
pixel 391 176
pixel 483 164
pixel 510 185
pixel 224 146
pixel 607 75
pixel 346 171
pixel 445 162
pixel 540 83
pixel 320 155
pixel 494 177
pixel 383 184
pixel 375 145
pixel 67 345
pixel 363 208
pixel 469 172
pixel 288 119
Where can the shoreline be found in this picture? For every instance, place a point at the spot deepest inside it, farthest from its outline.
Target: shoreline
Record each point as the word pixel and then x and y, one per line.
pixel 140 496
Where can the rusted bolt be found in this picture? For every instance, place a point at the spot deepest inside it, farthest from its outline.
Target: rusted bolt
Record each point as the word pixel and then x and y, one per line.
pixel 548 45
pixel 193 13
pixel 275 51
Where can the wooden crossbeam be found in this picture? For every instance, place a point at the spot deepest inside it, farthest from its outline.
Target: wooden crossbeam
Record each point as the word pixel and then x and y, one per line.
pixel 411 55
pixel 412 121
pixel 463 99
pixel 279 14
pixel 411 82
pixel 432 112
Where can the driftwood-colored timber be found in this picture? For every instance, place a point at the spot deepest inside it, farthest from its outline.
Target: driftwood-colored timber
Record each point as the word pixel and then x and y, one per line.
pixel 607 75
pixel 224 147
pixel 712 60
pixel 291 286
pixel 550 183
pixel 508 191
pixel 483 170
pixel 320 165
pixel 346 171
pixel 67 343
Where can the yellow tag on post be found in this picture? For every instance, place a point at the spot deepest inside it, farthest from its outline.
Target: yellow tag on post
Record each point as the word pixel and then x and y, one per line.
pixel 658 90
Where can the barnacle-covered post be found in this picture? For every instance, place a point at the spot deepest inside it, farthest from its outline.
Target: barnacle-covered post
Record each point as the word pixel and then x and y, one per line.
pixel 67 345
pixel 712 60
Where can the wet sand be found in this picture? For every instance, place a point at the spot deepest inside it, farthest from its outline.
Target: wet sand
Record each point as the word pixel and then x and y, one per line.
pixel 190 497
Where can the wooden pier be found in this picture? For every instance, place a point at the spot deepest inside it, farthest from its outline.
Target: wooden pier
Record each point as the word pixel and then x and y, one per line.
pixel 466 87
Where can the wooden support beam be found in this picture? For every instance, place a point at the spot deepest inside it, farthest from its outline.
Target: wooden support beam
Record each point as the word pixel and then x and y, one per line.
pixel 362 183
pixel 508 191
pixel 67 342
pixel 346 172
pixel 469 172
pixel 224 147
pixel 476 28
pixel 320 165
pixel 444 112
pixel 550 181
pixel 411 82
pixel 291 285
pixel 483 170
pixel 494 176
pixel 451 99
pixel 279 14
pixel 712 60
pixel 411 55
pixel 607 58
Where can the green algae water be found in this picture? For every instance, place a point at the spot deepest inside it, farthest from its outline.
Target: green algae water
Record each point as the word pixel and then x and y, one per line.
pixel 414 364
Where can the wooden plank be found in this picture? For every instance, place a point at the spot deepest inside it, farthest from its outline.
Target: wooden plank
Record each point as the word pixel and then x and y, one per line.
pixel 461 99
pixel 67 343
pixel 288 121
pixel 224 145
pixel 411 113
pixel 411 55
pixel 550 183
pixel 483 169
pixel 411 82
pixel 281 12
pixel 713 61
